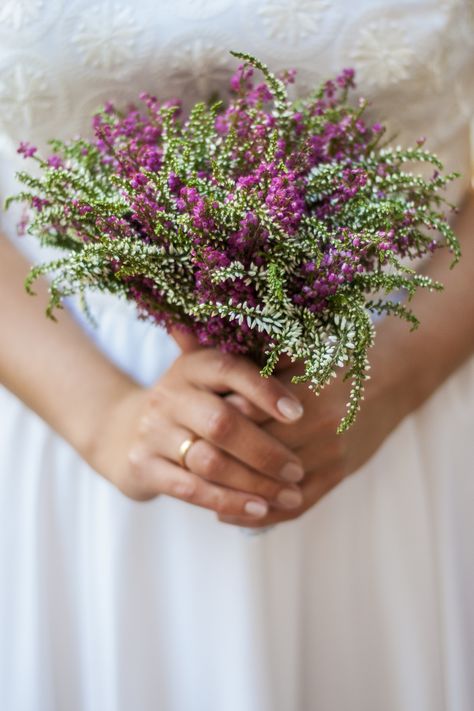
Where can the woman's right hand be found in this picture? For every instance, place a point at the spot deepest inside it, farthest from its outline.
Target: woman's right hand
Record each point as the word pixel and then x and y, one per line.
pixel 233 468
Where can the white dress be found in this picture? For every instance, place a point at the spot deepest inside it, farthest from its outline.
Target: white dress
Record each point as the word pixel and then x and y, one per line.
pixel 367 602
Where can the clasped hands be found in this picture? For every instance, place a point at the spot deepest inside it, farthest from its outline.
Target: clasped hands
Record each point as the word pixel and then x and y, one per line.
pixel 264 450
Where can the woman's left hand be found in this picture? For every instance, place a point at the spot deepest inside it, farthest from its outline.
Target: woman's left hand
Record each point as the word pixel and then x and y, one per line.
pixel 328 457
pixel 406 369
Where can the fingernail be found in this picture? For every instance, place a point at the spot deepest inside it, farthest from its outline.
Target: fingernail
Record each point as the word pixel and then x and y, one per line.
pixel 292 472
pixel 290 498
pixel 256 508
pixel 289 408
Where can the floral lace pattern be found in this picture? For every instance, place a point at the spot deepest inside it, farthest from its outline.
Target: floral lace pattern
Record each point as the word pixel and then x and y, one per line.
pixel 16 13
pixel 198 67
pixel 28 19
pixel 201 9
pixel 292 20
pixel 414 60
pixel 106 38
pixel 383 53
pixel 27 94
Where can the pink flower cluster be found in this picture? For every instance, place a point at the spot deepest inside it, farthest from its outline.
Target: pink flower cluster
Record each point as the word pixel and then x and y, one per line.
pixel 237 185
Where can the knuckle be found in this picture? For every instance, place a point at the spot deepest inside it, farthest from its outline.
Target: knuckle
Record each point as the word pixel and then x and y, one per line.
pixel 267 488
pixel 220 424
pixel 136 457
pixel 224 364
pixel 145 424
pixel 242 405
pixel 186 489
pixel 268 460
pixel 219 504
pixel 210 462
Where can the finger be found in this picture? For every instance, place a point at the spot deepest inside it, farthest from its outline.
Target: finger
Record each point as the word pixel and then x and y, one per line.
pixel 316 429
pixel 223 372
pixel 160 438
pixel 212 464
pixel 318 484
pixel 247 409
pixel 167 478
pixel 271 519
pixel 267 521
pixel 212 419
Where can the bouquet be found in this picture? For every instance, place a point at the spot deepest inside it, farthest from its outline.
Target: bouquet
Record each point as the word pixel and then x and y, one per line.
pixel 264 226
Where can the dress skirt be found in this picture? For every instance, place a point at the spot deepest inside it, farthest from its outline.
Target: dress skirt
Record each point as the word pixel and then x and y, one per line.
pixel 365 603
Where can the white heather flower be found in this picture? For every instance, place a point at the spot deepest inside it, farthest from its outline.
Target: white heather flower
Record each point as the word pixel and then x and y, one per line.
pixel 292 20
pixel 106 36
pixel 382 54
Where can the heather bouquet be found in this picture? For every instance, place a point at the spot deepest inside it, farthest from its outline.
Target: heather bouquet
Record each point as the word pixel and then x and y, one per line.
pixel 264 226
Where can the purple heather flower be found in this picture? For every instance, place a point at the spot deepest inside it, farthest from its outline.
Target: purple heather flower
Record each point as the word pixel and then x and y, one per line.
pixel 241 79
pixel 253 195
pixel 346 78
pixel 138 180
pixel 27 150
pixel 259 94
pixel 55 161
pixel 174 182
pixel 39 203
pixel 288 76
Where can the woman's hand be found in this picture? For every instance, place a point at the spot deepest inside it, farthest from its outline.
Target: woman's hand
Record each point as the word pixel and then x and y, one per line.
pixel 329 457
pixel 131 435
pixel 406 369
pixel 234 467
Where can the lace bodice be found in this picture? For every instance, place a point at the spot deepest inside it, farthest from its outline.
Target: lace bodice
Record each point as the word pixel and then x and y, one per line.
pixel 60 59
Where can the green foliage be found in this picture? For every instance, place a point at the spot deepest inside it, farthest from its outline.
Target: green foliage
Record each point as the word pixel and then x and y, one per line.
pixel 82 196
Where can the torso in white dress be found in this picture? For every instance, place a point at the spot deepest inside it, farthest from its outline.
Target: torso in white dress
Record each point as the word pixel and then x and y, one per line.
pixel 367 602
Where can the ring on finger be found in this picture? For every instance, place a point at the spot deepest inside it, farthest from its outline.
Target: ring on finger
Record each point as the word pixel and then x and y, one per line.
pixel 184 448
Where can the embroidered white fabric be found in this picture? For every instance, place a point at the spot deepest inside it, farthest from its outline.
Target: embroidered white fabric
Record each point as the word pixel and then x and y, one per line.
pixel 366 603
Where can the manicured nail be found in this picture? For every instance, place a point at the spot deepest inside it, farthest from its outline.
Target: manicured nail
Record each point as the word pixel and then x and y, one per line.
pixel 256 508
pixel 292 472
pixel 289 408
pixel 290 498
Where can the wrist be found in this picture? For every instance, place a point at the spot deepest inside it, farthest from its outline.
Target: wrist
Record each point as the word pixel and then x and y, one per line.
pixel 401 371
pixel 95 438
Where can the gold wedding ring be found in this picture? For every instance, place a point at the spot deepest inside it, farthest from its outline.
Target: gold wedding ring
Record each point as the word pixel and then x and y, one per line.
pixel 184 448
